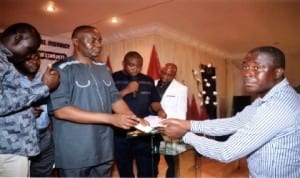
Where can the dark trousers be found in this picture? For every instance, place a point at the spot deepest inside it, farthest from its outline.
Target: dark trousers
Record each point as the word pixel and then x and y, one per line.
pixel 42 164
pixel 172 162
pixel 101 170
pixel 140 149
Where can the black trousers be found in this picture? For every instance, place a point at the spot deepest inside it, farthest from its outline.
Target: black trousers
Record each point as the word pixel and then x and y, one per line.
pixel 139 149
pixel 101 170
pixel 42 164
pixel 172 162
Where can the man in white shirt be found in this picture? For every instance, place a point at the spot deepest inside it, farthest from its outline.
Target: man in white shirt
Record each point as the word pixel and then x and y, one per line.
pixel 173 96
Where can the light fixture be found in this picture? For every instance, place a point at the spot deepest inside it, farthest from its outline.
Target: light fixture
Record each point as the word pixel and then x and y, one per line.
pixel 114 20
pixel 50 7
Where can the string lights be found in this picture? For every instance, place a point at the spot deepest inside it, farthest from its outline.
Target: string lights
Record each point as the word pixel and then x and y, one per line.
pixel 207 88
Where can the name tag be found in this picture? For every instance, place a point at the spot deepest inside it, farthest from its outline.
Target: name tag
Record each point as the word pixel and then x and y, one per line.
pixel 170 96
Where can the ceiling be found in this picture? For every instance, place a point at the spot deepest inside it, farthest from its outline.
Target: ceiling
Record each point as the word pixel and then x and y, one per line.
pixel 231 26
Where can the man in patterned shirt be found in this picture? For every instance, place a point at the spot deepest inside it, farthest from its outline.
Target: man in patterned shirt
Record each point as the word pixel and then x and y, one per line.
pixel 267 131
pixel 18 133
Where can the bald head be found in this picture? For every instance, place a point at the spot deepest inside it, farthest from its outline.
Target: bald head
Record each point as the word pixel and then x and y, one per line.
pixel 80 29
pixel 276 55
pixel 168 72
pixel 171 67
pixel 22 39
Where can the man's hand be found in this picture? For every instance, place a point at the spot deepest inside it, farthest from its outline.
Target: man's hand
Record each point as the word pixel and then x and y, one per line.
pixel 51 78
pixel 174 128
pixel 125 121
pixel 37 111
pixel 144 122
pixel 132 87
pixel 161 113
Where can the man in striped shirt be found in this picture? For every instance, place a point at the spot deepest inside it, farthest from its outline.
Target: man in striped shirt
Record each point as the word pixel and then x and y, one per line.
pixel 267 132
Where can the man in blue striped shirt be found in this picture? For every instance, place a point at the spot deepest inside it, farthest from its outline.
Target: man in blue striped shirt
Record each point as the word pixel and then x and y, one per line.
pixel 267 131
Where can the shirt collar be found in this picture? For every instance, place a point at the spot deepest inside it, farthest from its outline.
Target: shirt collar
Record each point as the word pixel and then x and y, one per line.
pixel 6 51
pixel 37 79
pixel 279 86
pixel 160 83
pixel 275 89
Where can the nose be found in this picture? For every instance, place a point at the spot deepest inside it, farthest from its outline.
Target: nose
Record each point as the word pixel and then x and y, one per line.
pixel 98 44
pixel 248 73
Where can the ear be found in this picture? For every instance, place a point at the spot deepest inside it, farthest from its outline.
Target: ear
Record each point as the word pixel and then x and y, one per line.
pixel 75 41
pixel 279 73
pixel 17 38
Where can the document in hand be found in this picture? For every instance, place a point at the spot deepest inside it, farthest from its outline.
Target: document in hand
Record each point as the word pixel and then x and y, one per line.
pixel 154 122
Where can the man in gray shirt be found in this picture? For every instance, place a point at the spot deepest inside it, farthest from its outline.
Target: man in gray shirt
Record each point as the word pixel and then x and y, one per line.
pixel 82 106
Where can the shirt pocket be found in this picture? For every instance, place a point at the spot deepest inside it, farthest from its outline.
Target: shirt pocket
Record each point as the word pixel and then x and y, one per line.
pixel 170 99
pixel 107 83
pixel 82 83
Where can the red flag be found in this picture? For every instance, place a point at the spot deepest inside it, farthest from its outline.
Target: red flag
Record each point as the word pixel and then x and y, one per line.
pixel 194 109
pixel 154 65
pixel 188 112
pixel 108 64
pixel 203 113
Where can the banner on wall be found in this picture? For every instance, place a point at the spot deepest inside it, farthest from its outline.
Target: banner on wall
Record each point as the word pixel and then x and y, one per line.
pixel 53 49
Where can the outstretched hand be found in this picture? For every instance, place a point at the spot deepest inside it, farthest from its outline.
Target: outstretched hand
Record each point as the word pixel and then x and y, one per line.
pixel 125 121
pixel 174 128
pixel 51 78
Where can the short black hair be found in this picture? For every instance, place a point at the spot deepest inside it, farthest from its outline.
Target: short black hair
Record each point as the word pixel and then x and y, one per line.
pixel 132 54
pixel 277 54
pixel 22 28
pixel 81 28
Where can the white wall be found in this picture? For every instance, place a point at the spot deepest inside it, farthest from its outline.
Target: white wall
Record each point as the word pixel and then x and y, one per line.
pixel 186 57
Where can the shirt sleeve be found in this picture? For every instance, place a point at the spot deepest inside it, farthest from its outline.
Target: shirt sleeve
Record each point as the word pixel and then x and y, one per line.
pixel 13 97
pixel 154 93
pixel 181 106
pixel 264 123
pixel 114 92
pixel 216 127
pixel 60 97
